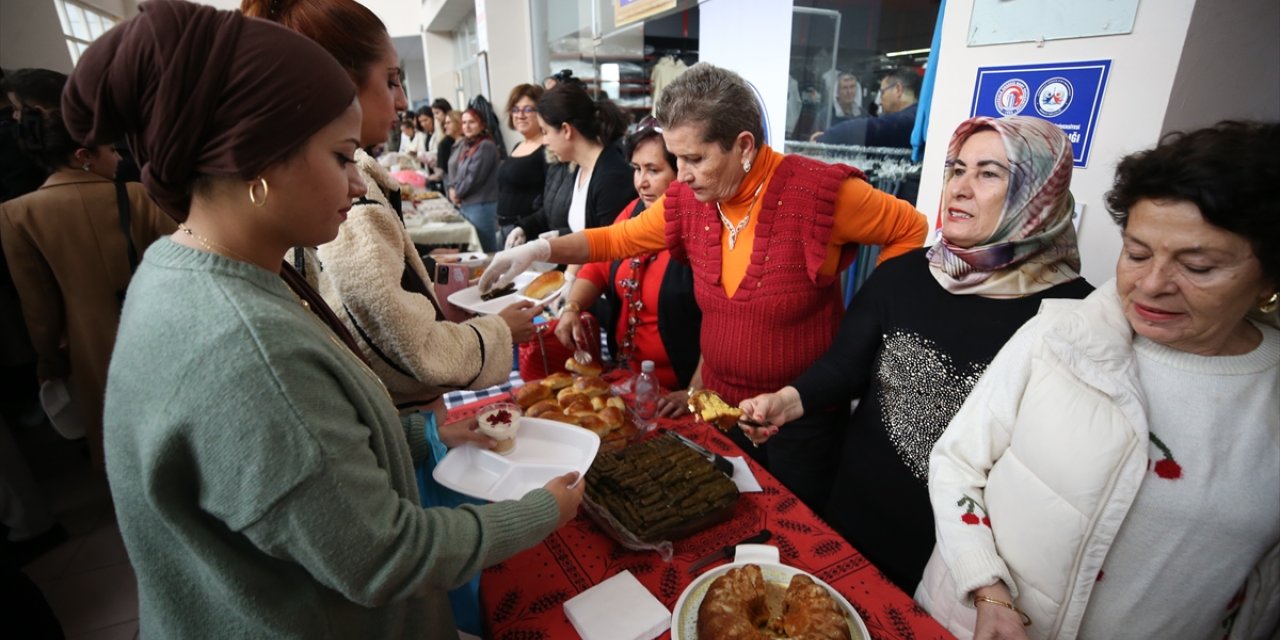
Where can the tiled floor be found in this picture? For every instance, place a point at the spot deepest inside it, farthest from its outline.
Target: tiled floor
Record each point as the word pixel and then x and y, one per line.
pixel 87 580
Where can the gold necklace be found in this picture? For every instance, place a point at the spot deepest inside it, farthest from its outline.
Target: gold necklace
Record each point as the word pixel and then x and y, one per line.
pixel 211 246
pixel 735 230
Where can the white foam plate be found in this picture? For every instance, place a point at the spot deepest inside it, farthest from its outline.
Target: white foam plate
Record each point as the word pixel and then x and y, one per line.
pixel 469 298
pixel 684 616
pixel 544 450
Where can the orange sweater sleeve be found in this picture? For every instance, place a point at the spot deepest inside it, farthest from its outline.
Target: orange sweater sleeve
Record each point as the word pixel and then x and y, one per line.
pixel 644 233
pixel 866 215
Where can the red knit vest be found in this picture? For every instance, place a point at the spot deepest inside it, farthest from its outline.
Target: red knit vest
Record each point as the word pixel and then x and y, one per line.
pixel 783 314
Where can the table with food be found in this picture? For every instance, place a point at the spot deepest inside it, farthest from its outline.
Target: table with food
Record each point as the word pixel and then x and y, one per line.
pixel 680 536
pixel 433 222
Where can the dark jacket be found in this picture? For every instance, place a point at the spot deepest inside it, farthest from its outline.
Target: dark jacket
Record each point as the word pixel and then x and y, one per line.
pixel 611 189
pixel 892 130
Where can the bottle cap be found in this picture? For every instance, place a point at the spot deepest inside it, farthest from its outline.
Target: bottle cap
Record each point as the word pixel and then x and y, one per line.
pixel 646 366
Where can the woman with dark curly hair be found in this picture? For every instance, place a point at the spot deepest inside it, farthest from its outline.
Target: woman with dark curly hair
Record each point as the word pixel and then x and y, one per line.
pixel 1116 472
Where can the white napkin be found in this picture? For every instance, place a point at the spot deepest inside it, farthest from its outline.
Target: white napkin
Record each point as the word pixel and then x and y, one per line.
pixel 743 477
pixel 619 608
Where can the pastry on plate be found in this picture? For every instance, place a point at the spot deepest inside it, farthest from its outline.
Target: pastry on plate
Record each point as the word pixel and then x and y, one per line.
pixel 544 285
pixel 710 408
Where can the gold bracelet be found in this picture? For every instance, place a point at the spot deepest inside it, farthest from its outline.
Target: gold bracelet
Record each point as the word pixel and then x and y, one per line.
pixel 1026 620
pixel 572 306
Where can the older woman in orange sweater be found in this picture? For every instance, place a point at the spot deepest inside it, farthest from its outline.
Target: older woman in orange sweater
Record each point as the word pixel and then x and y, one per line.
pixel 767 235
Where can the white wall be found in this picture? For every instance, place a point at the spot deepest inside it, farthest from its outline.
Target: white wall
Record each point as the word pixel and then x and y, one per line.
pixel 31 36
pixel 1144 65
pixel 510 55
pixel 1230 66
pixel 438 52
pixel 754 42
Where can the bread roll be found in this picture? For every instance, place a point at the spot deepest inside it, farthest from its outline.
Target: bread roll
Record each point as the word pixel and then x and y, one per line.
pixel 590 370
pixel 594 424
pixel 559 417
pixel 558 381
pixel 531 394
pixel 580 408
pixel 544 285
pixel 542 407
pixel 569 395
pixel 611 416
pixel 591 386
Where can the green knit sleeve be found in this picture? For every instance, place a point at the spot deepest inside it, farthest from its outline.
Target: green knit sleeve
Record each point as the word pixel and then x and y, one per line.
pixel 354 522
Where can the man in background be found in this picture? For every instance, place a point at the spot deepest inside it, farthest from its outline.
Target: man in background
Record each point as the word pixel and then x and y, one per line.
pixel 898 98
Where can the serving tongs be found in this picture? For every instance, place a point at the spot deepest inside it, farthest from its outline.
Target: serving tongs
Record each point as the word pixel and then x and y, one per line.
pixel 721 463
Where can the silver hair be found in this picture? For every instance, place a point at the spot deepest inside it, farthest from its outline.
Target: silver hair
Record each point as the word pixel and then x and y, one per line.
pixel 716 99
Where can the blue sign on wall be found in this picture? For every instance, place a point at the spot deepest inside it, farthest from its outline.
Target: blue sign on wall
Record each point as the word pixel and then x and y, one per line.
pixel 1067 94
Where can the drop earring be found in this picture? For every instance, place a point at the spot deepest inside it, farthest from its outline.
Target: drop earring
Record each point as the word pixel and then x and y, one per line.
pixel 1269 305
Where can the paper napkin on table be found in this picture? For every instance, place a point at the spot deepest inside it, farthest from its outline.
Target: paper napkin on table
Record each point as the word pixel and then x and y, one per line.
pixel 743 477
pixel 619 608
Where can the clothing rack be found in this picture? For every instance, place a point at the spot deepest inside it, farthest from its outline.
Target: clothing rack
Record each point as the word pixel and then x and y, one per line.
pixel 887 168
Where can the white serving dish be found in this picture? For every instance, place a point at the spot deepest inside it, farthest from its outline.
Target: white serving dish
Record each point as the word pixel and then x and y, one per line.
pixel 469 298
pixel 684 616
pixel 545 449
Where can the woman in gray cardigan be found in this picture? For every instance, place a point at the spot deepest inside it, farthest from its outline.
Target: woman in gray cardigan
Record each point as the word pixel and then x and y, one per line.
pixel 260 476
pixel 473 179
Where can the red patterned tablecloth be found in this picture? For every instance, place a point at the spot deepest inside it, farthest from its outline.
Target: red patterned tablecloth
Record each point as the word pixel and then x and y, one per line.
pixel 522 598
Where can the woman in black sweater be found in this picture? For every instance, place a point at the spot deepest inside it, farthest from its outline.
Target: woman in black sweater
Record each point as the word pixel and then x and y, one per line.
pixel 926 324
pixel 585 133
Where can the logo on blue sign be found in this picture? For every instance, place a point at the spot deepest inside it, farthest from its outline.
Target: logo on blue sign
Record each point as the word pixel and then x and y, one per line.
pixel 1053 97
pixel 1012 97
pixel 1068 94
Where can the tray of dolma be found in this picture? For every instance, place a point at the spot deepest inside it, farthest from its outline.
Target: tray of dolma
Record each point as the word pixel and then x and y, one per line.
pixel 657 491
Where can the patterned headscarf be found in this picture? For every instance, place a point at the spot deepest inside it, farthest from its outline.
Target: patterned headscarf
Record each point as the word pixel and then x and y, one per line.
pixel 1034 245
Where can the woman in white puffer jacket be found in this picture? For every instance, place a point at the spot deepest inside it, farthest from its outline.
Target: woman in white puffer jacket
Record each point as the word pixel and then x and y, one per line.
pixel 1116 472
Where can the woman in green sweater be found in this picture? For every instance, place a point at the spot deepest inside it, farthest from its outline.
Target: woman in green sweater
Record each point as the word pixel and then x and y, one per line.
pixel 260 474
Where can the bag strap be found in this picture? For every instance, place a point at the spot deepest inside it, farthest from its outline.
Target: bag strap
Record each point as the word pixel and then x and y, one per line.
pixel 126 214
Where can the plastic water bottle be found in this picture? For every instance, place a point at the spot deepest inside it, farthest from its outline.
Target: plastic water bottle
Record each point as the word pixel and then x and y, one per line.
pixel 647 392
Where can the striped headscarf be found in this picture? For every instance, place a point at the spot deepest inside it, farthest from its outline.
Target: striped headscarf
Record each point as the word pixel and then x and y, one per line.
pixel 1034 245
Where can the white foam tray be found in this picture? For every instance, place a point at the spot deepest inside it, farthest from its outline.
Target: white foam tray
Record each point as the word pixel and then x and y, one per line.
pixel 470 300
pixel 544 450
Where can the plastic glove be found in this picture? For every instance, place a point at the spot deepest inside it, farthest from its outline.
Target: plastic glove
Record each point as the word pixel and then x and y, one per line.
pixel 515 238
pixel 508 264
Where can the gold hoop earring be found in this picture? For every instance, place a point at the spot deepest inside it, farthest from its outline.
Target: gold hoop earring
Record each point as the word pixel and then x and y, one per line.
pixel 266 191
pixel 1270 304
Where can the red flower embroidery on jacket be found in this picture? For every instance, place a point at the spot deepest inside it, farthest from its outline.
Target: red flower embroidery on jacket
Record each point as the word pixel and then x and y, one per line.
pixel 969 517
pixel 1166 467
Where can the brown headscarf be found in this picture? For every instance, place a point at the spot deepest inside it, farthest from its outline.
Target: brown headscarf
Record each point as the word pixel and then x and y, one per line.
pixel 198 91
